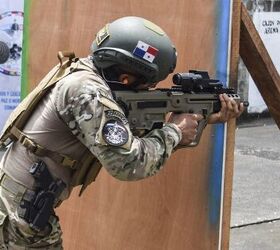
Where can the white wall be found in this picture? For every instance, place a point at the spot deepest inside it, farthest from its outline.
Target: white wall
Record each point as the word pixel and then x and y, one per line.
pixel 268 26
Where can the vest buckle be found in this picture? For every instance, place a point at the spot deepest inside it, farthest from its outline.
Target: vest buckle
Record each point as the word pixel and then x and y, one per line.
pixel 32 146
pixel 68 162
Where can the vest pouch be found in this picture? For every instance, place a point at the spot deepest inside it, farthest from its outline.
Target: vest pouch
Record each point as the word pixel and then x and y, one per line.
pixel 86 172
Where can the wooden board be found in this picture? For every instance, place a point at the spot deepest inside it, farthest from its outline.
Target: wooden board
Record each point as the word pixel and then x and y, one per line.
pixel 180 207
pixel 260 65
pixel 231 126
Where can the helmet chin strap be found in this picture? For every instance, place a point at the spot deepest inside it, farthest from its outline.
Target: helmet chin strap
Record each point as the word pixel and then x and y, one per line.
pixel 114 85
pixel 117 85
pixel 109 81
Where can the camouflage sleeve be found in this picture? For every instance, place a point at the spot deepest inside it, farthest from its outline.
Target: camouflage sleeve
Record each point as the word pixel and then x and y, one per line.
pixel 145 157
pixel 93 116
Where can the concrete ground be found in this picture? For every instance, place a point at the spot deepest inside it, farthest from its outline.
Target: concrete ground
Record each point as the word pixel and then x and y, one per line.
pixel 255 222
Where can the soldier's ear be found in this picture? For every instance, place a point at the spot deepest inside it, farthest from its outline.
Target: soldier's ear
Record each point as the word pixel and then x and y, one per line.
pixel 125 78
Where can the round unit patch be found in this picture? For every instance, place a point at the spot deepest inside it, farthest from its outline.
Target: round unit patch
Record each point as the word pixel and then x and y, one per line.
pixel 115 133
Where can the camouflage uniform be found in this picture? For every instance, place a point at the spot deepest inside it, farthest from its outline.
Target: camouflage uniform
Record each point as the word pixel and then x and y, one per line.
pixel 79 113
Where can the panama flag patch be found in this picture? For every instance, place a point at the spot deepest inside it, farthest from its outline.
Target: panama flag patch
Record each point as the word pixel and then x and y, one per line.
pixel 145 51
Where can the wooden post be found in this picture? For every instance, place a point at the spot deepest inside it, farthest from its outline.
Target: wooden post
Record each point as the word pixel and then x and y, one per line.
pixel 259 64
pixel 231 126
pixel 247 43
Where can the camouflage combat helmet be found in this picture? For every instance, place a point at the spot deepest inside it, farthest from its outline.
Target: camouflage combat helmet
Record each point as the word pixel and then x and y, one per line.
pixel 137 45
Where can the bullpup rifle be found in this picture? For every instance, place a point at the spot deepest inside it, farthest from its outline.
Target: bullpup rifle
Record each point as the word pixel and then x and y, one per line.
pixel 192 92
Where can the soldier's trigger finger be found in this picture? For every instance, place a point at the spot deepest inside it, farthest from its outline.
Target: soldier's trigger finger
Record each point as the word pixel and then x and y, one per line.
pixel 198 117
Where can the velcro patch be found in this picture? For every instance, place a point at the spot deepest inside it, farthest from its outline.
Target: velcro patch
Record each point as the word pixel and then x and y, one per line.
pixel 102 35
pixel 114 114
pixel 115 133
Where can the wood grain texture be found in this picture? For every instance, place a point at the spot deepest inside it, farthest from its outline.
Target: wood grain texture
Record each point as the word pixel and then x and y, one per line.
pixel 170 210
pixel 260 65
pixel 72 25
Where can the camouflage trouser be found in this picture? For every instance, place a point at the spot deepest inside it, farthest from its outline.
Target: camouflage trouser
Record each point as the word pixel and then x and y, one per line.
pixel 15 233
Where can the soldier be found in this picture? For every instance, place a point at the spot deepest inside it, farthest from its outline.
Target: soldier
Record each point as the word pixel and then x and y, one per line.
pixel 77 127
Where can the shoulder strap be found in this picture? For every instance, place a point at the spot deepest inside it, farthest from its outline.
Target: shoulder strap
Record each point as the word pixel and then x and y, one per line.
pixel 88 168
pixel 21 114
pixel 13 128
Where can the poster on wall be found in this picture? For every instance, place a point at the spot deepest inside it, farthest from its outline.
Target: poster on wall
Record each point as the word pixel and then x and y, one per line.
pixel 268 26
pixel 11 35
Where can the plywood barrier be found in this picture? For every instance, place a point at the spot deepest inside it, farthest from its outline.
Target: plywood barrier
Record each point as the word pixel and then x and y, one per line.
pixel 173 210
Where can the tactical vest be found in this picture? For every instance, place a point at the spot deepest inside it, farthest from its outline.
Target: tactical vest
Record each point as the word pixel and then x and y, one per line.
pixel 84 171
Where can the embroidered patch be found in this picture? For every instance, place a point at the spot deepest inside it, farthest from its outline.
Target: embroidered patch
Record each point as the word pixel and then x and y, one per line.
pixel 115 133
pixel 114 114
pixel 145 51
pixel 102 35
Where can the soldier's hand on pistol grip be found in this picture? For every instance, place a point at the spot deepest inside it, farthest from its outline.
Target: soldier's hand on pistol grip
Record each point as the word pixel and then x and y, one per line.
pixel 188 124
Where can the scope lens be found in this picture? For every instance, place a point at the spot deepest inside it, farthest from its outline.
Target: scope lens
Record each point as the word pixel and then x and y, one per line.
pixel 177 79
